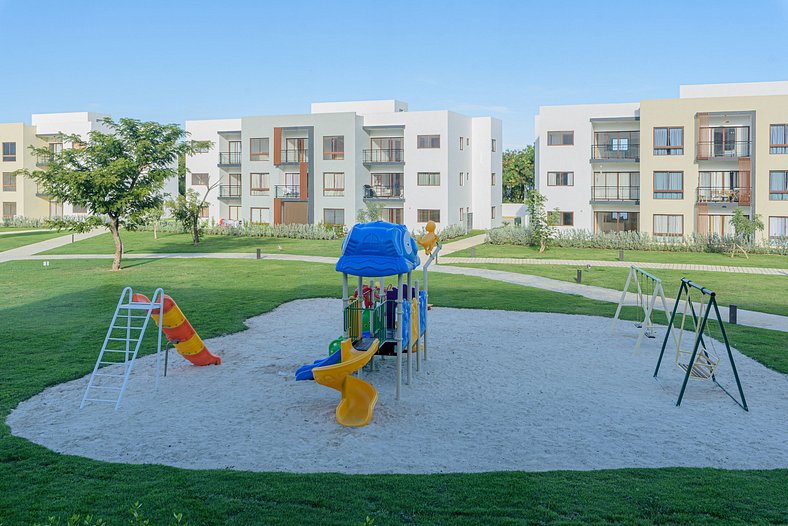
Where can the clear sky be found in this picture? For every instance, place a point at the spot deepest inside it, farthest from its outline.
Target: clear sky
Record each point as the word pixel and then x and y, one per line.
pixel 171 60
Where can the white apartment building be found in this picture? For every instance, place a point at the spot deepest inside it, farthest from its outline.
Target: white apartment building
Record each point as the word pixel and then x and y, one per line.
pixel 324 166
pixel 669 167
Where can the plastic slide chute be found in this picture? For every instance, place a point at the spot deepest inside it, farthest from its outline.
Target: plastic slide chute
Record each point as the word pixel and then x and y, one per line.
pixel 180 332
pixel 358 397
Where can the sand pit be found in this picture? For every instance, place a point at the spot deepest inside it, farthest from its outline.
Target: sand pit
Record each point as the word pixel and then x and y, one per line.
pixel 501 391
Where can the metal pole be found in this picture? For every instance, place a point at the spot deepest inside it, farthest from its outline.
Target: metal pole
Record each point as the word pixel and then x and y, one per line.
pixel 670 328
pixel 579 277
pixel 621 300
pixel 733 312
pixel 410 329
pixel 730 354
pixel 418 327
pixel 344 305
pixel 158 345
pixel 695 347
pixel 259 253
pixel 398 334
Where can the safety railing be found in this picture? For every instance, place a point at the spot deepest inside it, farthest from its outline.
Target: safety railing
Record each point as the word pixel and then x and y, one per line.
pixel 722 194
pixel 287 191
pixel 229 158
pixel 607 152
pixel 384 155
pixel 615 193
pixel 230 191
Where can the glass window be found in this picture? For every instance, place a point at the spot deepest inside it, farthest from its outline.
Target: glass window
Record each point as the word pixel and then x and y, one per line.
pixel 564 218
pixel 669 141
pixel 560 138
pixel 462 179
pixel 9 151
pixel 617 221
pixel 204 212
pixel 778 185
pixel 9 209
pixel 392 215
pixel 260 215
pixel 668 185
pixel 9 182
pixel 492 214
pixel 334 216
pixel 79 209
pixel 668 225
pixel 429 141
pixel 616 186
pixel 493 179
pixel 494 145
pixel 334 185
pixel 425 215
pixel 259 183
pixel 778 138
pixel 200 179
pixel 233 213
pixel 462 143
pixel 430 178
pixel 258 149
pixel 778 228
pixel 386 185
pixel 560 178
pixel 333 147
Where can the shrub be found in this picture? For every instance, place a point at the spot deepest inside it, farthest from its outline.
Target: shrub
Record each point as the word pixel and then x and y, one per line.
pixel 319 231
pixel 448 233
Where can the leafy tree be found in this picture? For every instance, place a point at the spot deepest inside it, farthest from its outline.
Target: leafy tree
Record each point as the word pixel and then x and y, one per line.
pixel 186 210
pixel 745 229
pixel 541 223
pixel 118 175
pixel 371 213
pixel 518 173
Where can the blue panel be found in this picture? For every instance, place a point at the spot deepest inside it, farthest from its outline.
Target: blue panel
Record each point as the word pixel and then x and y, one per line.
pixel 378 249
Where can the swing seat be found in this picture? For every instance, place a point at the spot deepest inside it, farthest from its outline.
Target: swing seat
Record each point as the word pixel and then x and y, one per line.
pixel 704 366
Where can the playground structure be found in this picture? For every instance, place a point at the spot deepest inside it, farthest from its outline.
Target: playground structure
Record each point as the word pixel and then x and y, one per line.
pixel 377 320
pixel 127 329
pixel 649 288
pixel 701 362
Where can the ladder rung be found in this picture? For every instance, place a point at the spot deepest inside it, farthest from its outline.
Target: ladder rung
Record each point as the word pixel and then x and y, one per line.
pixel 112 375
pixel 105 387
pixel 123 339
pixel 113 363
pixel 123 327
pixel 101 400
pixel 119 350
pixel 131 317
pixel 141 306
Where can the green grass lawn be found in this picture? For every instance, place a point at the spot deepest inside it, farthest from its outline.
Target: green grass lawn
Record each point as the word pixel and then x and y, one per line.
pixel 19 228
pixel 699 258
pixel 747 291
pixel 143 243
pixel 22 238
pixel 53 322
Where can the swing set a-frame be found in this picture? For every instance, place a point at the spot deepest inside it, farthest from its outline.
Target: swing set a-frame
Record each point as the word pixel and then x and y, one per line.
pixel 700 363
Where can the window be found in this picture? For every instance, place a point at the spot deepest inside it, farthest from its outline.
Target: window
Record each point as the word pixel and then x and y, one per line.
pixel 718 224
pixel 778 228
pixel 429 141
pixel 55 209
pixel 492 213
pixel 259 215
pixel 494 145
pixel 778 138
pixel 200 179
pixel 333 147
pixel 259 183
pixel 668 185
pixel 79 209
pixel 9 209
pixel 616 221
pixel 204 212
pixel 564 218
pixel 560 178
pixel 334 216
pixel 616 186
pixel 429 179
pixel 233 213
pixel 386 185
pixel 778 185
pixel 9 151
pixel 424 215
pixel 668 225
pixel 669 141
pixel 258 149
pixel 9 182
pixel 392 215
pixel 334 186
pixel 560 138
pixel 462 179
pixel 56 148
pixel 462 143
pixel 462 215
pixel 492 179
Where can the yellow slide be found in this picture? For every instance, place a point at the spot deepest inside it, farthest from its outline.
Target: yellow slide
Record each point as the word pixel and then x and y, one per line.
pixel 358 397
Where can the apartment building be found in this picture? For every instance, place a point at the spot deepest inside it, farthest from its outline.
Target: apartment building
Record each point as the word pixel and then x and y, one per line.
pixel 669 167
pixel 21 196
pixel 324 166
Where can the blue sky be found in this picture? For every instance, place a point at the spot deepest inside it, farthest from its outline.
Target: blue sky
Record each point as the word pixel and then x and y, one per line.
pixel 177 60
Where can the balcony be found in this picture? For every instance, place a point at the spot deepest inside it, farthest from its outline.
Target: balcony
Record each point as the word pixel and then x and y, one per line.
pixel 384 192
pixel 384 156
pixel 723 142
pixel 287 191
pixel 230 191
pixel 230 159
pixel 612 152
pixel 43 160
pixel 724 194
pixel 615 193
pixel 294 156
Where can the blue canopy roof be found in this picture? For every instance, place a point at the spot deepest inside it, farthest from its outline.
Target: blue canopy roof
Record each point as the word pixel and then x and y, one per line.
pixel 378 249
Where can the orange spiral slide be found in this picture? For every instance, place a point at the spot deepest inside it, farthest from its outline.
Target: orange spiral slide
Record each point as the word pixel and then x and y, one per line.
pixel 181 333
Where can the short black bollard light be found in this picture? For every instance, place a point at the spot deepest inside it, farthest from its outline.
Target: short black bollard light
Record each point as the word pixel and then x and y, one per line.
pixel 259 255
pixel 621 255
pixel 732 314
pixel 579 277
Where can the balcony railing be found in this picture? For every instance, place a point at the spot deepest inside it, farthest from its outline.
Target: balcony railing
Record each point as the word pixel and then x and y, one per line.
pixel 723 194
pixel 384 192
pixel 384 155
pixel 615 193
pixel 229 158
pixel 723 149
pixel 287 191
pixel 608 152
pixel 295 156
pixel 43 160
pixel 230 191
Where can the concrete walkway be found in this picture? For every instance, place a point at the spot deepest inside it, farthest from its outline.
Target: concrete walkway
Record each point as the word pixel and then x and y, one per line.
pixel 27 251
pixel 12 232
pixel 613 264
pixel 462 244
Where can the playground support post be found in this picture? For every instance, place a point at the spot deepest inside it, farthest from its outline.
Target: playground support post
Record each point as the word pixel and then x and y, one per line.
pixel 409 298
pixel 398 335
pixel 670 327
pixel 425 270
pixel 730 357
pixel 344 301
pixel 418 328
pixel 695 347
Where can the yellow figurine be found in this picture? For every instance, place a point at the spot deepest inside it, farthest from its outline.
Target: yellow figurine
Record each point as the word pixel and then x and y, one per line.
pixel 430 239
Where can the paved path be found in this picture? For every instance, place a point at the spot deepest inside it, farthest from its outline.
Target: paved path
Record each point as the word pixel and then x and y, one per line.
pixel 462 244
pixel 27 251
pixel 625 264
pixel 11 232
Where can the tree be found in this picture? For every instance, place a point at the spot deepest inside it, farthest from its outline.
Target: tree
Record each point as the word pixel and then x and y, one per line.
pixel 186 210
pixel 118 175
pixel 541 223
pixel 518 173
pixel 371 213
pixel 745 229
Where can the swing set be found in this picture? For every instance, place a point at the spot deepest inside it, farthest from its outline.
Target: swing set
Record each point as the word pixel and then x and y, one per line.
pixel 701 362
pixel 648 289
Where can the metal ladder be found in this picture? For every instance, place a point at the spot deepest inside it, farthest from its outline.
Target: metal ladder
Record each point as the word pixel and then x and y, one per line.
pixel 121 345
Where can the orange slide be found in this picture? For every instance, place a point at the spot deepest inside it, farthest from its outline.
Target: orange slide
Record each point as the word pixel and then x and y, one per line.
pixel 181 333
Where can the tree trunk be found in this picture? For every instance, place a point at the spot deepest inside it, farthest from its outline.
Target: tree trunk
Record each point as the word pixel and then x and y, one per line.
pixel 541 246
pixel 156 230
pixel 114 225
pixel 196 232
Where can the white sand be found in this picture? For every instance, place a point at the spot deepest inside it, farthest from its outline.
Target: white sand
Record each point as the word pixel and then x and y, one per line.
pixel 501 391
